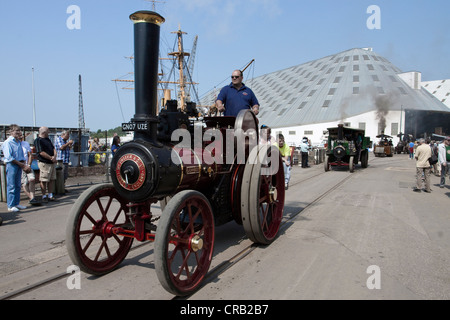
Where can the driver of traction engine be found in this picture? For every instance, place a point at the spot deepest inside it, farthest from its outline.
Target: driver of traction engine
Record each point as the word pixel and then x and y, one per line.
pixel 236 97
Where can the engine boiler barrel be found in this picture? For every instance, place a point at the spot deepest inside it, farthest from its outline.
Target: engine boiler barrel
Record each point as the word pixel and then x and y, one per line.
pixel 142 171
pixel 146 60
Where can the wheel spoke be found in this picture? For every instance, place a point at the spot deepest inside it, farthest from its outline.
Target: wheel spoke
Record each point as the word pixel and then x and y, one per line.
pixel 100 206
pixel 100 250
pixel 87 215
pixel 264 211
pixel 171 256
pixel 108 253
pixel 184 265
pixel 191 221
pixel 117 239
pixel 85 232
pixel 119 211
pixel 88 244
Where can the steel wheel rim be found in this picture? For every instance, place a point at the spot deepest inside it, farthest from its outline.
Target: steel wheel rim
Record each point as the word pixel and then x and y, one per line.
pixel 262 200
pixel 270 210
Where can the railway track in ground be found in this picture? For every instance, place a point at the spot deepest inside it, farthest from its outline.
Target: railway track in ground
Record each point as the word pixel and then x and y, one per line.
pixel 214 272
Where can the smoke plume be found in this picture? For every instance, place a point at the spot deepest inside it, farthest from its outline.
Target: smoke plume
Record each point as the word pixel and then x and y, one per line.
pixel 383 104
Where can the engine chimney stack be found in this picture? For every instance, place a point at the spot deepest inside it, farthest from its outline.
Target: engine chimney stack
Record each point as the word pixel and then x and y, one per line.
pixel 146 60
pixel 340 131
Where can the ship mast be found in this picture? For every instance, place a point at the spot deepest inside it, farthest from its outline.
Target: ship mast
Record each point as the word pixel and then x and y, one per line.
pixel 179 61
pixel 180 57
pixel 154 4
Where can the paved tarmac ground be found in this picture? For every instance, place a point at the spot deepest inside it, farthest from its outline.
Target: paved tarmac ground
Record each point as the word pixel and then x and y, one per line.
pixel 362 235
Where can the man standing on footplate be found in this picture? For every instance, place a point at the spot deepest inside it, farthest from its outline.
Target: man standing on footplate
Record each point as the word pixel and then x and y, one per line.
pixel 236 97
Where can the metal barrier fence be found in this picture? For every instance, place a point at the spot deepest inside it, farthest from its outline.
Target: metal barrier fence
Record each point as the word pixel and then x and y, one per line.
pixel 316 156
pixel 90 163
pixel 2 182
pixel 319 155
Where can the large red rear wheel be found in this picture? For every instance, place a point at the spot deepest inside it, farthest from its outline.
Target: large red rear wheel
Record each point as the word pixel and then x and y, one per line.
pixel 184 242
pixel 90 240
pixel 262 200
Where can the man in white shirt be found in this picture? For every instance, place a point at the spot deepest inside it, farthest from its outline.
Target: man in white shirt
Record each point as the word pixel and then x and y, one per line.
pixel 444 159
pixel 15 163
pixel 423 168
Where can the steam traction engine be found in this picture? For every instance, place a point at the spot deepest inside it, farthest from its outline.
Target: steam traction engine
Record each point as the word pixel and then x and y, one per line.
pixel 198 184
pixel 384 147
pixel 346 147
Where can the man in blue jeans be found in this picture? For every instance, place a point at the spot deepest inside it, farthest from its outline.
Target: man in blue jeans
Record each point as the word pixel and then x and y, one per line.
pixel 411 150
pixel 15 163
pixel 285 153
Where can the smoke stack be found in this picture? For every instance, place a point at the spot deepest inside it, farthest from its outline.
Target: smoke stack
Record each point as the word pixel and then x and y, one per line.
pixel 146 60
pixel 340 131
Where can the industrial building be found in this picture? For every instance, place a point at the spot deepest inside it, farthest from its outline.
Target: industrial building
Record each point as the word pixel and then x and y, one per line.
pixel 440 89
pixel 356 87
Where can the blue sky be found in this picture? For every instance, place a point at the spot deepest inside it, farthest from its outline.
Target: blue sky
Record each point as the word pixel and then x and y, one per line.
pixel 278 34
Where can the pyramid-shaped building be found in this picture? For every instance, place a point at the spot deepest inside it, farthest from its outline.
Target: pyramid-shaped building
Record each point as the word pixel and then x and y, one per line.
pixel 356 87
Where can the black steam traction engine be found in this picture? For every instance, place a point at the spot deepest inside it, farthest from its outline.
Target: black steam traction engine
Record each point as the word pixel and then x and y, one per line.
pixel 196 195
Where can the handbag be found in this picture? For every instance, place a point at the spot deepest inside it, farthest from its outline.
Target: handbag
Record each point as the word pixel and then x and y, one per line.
pixel 433 159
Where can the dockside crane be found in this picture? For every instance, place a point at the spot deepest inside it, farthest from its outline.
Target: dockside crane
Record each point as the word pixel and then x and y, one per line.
pixel 81 124
pixel 191 70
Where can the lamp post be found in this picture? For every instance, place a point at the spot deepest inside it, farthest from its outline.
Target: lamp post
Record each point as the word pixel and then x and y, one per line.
pixel 34 96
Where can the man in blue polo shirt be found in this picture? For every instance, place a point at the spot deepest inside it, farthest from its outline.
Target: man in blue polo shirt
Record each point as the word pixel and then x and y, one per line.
pixel 236 97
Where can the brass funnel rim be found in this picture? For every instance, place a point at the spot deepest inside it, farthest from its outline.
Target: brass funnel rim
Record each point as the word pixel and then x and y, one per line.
pixel 147 17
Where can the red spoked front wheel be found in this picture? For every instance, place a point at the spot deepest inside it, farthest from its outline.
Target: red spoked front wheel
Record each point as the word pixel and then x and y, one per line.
pixel 184 242
pixel 90 239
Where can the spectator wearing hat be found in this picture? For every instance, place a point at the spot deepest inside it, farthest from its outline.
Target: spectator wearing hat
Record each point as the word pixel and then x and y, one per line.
pixel 304 149
pixel 444 159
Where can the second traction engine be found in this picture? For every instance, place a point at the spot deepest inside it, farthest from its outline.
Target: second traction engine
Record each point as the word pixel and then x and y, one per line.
pixel 204 173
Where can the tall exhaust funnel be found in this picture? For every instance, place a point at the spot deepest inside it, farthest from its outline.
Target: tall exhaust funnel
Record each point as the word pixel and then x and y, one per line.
pixel 147 26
